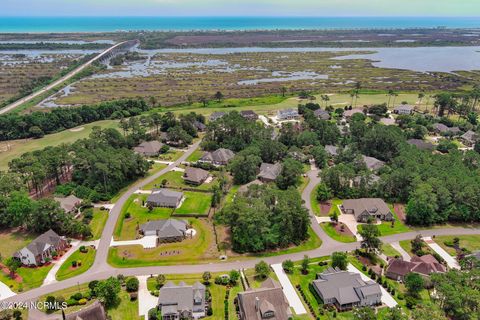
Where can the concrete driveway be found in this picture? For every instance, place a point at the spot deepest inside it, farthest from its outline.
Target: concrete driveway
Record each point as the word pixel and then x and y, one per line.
pixel 145 300
pixel 5 291
pixel 451 261
pixel 289 291
pixel 387 299
pixel 147 242
pixel 50 278
pixel 403 253
pixel 351 223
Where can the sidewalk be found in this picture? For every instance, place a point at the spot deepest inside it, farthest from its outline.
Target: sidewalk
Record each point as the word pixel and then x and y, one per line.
pixel 289 291
pixel 451 261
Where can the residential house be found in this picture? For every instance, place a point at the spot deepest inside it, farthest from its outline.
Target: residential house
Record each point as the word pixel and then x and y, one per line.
pixel 266 302
pixel 404 109
pixel 164 198
pixel 95 311
pixel 421 144
pixel 373 163
pixel 149 148
pixel 69 204
pixel 365 208
pixel 368 180
pixel 249 115
pixel 332 151
pixel 216 115
pixel 195 176
pixel 269 172
pixel 387 121
pixel 199 126
pixel 443 129
pixel 469 138
pixel 424 265
pixel 346 290
pixel 349 113
pixel 167 230
pixel 182 301
pixel 218 157
pixel 40 250
pixel 321 114
pixel 287 114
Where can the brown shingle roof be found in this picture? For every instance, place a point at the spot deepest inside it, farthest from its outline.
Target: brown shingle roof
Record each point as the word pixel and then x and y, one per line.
pixel 195 175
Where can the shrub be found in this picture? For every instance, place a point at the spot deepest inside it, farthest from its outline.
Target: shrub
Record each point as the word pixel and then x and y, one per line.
pixel 209 311
pixel 83 249
pixel 82 301
pixel 72 302
pixel 132 284
pixel 133 296
pixel 127 215
pixel 364 268
pixel 74 263
pixel 92 285
pixel 152 314
pixel 77 296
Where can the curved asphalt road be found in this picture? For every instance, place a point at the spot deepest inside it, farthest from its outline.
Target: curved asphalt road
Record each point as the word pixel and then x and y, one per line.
pixel 102 270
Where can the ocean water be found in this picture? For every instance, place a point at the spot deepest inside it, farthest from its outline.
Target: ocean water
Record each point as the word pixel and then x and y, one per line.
pixel 97 24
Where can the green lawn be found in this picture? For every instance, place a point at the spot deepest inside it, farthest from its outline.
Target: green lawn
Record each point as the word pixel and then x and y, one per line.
pixel 18 147
pixel 314 202
pixel 12 240
pixel 195 156
pixel 66 271
pixel 389 251
pixel 170 155
pixel 126 309
pixel 312 243
pixel 31 278
pixel 97 223
pixel 407 246
pixel 386 228
pixel 191 250
pixel 469 242
pixel 329 228
pixel 195 203
pixel 175 181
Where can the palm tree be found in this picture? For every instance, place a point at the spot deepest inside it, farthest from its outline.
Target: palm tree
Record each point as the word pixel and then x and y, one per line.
pixel 421 95
pixel 325 99
pixel 283 90
pixel 395 95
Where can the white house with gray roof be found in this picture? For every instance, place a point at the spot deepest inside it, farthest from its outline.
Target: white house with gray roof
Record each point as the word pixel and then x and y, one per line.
pixel 40 250
pixel 404 109
pixel 164 198
pixel 287 114
pixel 167 230
pixel 182 301
pixel 346 290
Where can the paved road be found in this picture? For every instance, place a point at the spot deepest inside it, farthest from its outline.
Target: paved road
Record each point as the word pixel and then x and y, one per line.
pixel 102 270
pixel 69 75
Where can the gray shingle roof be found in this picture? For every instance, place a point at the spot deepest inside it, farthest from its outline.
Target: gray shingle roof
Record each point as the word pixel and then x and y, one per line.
pixel 216 115
pixel 165 196
pixel 331 150
pixel 148 147
pixel 181 297
pixel 196 175
pixel 218 156
pixel 373 206
pixel 420 144
pixel 166 228
pixel 270 171
pixel 68 203
pixel 43 241
pixel 322 114
pixel 373 163
pixel 469 136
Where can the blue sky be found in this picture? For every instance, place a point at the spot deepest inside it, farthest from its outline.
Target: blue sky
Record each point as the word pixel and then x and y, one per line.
pixel 240 7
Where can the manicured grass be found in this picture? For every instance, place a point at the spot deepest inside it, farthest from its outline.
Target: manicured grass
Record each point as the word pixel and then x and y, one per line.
pixel 329 228
pixel 195 156
pixel 31 278
pixel 314 202
pixel 66 271
pixel 389 251
pixel 231 194
pixel 407 246
pixel 195 203
pixel 18 147
pixel 97 223
pixel 386 227
pixel 469 242
pixel 126 309
pixel 311 243
pixel 12 240
pixel 195 250
pixel 175 181
pixel 170 155
pixel 303 183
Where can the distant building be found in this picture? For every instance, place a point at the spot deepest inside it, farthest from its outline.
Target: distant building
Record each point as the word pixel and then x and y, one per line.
pixel 216 115
pixel 369 180
pixel 267 302
pixel 249 115
pixel 149 148
pixel 421 144
pixel 332 151
pixel 469 138
pixel 218 157
pixel 269 172
pixel 387 121
pixel 373 163
pixel 346 290
pixel 95 311
pixel 69 204
pixel 441 128
pixel 365 208
pixel 349 113
pixel 195 176
pixel 199 126
pixel 287 114
pixel 167 230
pixel 182 301
pixel 424 265
pixel 404 109
pixel 322 114
pixel 40 249
pixel 164 198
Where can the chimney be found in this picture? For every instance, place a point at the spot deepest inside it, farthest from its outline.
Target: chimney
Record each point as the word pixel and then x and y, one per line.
pixel 257 303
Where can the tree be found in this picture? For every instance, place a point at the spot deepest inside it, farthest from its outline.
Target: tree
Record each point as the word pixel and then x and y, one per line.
pixel 428 311
pixel 219 96
pixel 283 90
pixel 290 174
pixel 132 284
pixel 323 192
pixel 305 263
pixel 422 207
pixel 414 284
pixel 234 275
pixel 339 260
pixel 244 168
pixel 107 291
pixel 417 245
pixel 262 270
pixel 396 313
pixel 12 265
pixel 160 280
pixel 334 216
pixel 206 277
pixel 370 234
pixel 365 313
pixel 288 266
pixel 320 156
pixel 445 102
